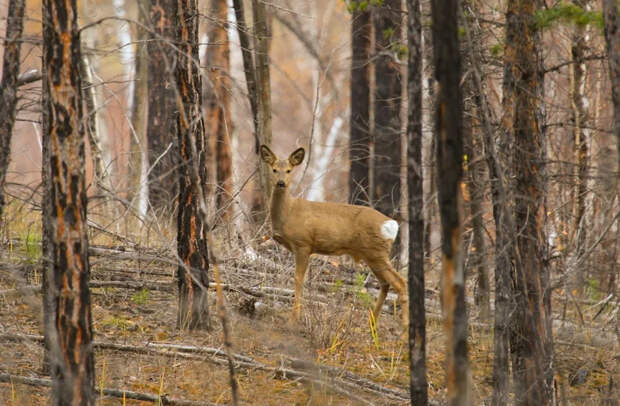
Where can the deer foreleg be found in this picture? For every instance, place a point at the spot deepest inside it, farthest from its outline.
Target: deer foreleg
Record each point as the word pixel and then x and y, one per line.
pixel 301 264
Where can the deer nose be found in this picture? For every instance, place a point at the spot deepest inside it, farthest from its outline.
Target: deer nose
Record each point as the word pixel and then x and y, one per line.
pixel 280 183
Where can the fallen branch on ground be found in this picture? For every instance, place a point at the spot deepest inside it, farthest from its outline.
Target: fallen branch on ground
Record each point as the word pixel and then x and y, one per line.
pixel 122 394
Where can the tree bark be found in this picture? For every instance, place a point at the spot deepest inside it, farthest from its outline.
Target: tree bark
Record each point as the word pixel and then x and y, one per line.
pixel 417 315
pixel 139 162
pixel 502 214
pixel 612 38
pixel 449 129
pixel 530 336
pixel 387 128
pixel 66 303
pixel 262 38
pixel 359 140
pixel 217 101
pixel 162 148
pixel 9 86
pixel 581 139
pixel 193 280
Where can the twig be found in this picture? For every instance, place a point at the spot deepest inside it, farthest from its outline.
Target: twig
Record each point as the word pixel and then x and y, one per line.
pixel 117 393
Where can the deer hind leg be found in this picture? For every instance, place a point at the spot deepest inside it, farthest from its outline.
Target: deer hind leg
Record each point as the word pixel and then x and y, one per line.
pixel 301 265
pixel 387 275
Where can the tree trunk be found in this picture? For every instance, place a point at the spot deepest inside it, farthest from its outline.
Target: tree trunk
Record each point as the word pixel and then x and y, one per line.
pixel 193 280
pixel 475 177
pixel 449 129
pixel 612 37
pixel 139 162
pixel 417 315
pixel 66 303
pixel 530 336
pixel 162 148
pixel 8 86
pixel 262 37
pixel 359 141
pixel 502 215
pixel 580 134
pixel 217 101
pixel 387 153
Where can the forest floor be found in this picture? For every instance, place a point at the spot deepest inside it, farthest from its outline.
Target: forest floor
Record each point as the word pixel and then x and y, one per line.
pixel 331 357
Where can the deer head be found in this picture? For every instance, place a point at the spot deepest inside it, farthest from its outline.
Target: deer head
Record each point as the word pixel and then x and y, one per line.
pixel 281 169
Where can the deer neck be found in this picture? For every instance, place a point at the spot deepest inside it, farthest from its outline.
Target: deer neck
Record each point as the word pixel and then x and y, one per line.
pixel 280 208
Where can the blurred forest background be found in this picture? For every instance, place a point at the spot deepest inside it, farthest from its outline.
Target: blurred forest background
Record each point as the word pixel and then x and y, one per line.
pixel 334 77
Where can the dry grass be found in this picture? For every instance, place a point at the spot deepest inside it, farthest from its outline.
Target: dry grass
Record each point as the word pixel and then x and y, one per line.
pixel 334 332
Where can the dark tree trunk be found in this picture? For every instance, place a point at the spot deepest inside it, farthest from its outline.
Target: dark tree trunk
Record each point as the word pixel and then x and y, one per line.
pixel 217 104
pixel 612 37
pixel 417 315
pixel 66 301
pixel 449 128
pixel 530 336
pixel 359 140
pixel 9 86
pixel 162 149
pixel 193 280
pixel 387 128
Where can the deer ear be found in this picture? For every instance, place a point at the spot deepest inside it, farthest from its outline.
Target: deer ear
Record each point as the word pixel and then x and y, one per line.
pixel 267 155
pixel 297 156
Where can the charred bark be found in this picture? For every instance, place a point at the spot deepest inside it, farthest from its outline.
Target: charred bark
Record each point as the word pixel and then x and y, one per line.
pixel 530 336
pixel 192 273
pixel 387 126
pixel 162 148
pixel 359 140
pixel 417 315
pixel 217 105
pixel 449 129
pixel 9 86
pixel 66 302
pixel 612 38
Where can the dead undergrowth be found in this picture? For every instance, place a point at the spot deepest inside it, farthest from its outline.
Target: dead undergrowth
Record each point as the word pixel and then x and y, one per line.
pixel 332 357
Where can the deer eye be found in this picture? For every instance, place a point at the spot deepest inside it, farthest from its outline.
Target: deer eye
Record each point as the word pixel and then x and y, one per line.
pixel 274 171
pixel 288 171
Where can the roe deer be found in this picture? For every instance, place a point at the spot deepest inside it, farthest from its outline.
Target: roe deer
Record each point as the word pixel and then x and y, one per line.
pixel 306 228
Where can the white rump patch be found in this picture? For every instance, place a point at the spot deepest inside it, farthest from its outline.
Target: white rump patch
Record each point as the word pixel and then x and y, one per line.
pixel 389 229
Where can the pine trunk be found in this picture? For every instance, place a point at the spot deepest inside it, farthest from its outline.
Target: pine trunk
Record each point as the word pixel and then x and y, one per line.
pixel 612 37
pixel 417 315
pixel 359 141
pixel 217 104
pixel 66 302
pixel 192 273
pixel 9 86
pixel 162 147
pixel 387 128
pixel 530 336
pixel 449 129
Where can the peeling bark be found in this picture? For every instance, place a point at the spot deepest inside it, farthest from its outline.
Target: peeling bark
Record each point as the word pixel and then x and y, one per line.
pixel 67 314
pixel 192 273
